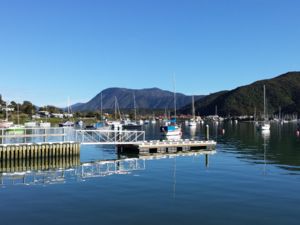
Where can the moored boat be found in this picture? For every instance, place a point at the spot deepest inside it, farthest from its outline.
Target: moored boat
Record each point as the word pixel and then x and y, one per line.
pixel 5 124
pixel 67 124
pixel 44 124
pixel 30 124
pixel 15 129
pixel 265 125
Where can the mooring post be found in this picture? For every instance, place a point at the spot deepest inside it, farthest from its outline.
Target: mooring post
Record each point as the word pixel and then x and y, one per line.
pixel 206 161
pixel 207 132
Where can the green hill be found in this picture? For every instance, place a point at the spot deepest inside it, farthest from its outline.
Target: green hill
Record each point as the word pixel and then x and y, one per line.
pixel 282 91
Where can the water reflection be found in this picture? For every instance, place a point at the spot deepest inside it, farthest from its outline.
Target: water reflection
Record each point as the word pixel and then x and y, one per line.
pixel 58 171
pixel 278 146
pixel 193 132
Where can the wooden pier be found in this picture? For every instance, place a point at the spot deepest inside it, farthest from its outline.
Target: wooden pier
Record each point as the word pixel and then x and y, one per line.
pixel 11 152
pixel 150 147
pixel 43 143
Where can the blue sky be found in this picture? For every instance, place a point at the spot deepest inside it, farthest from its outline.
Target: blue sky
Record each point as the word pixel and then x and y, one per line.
pixel 54 49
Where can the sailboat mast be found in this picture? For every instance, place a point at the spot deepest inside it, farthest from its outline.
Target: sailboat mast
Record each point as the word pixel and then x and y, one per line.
pixel 193 107
pixel 134 106
pixel 115 108
pixel 279 114
pixel 264 102
pixel 68 106
pixel 18 112
pixel 6 114
pixel 101 107
pixel 174 83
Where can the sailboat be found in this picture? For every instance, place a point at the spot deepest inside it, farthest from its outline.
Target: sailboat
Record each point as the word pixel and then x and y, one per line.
pixel 132 125
pixel 192 122
pixel 68 123
pixel 171 128
pixel 116 123
pixel 17 128
pixel 265 125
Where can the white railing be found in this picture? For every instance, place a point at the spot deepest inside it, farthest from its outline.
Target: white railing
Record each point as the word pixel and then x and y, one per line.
pixel 109 137
pixel 32 135
pixel 59 134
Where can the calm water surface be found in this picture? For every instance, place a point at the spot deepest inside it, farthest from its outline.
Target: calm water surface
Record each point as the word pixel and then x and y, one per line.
pixel 253 178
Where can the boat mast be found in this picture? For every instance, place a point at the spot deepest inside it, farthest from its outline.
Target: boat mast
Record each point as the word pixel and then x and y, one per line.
pixel 174 83
pixel 279 114
pixel 134 106
pixel 264 102
pixel 193 107
pixel 166 115
pixel 101 107
pixel 18 111
pixel 6 113
pixel 115 108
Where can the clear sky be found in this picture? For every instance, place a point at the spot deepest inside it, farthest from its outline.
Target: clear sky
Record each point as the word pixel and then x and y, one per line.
pixel 54 49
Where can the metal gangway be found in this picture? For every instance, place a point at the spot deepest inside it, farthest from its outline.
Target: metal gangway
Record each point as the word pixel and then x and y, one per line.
pixel 109 137
pixel 70 134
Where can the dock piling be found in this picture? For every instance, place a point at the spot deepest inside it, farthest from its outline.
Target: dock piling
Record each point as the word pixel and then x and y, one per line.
pixel 207 132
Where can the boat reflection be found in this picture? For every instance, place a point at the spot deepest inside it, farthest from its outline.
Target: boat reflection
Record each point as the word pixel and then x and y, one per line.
pixel 193 132
pixel 59 172
pixel 266 134
pixel 278 147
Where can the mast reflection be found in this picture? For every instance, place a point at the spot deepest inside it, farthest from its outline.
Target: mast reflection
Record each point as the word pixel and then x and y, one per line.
pixel 70 169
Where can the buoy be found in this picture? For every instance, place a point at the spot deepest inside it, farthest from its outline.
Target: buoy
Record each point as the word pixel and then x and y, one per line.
pixel 298 133
pixel 223 131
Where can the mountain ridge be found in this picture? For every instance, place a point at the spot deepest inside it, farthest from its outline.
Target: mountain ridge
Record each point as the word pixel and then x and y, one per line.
pixel 146 98
pixel 282 91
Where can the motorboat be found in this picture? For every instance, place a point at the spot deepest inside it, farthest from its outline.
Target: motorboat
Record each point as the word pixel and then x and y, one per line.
pixel 15 129
pixel 171 129
pixel 67 124
pixel 44 124
pixel 5 124
pixel 30 124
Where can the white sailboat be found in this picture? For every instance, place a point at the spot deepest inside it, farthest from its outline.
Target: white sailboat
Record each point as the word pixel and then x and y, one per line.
pixel 171 128
pixel 265 125
pixel 192 122
pixel 132 125
pixel 68 123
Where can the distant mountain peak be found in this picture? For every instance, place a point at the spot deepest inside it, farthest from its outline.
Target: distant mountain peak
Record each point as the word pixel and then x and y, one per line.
pixel 146 98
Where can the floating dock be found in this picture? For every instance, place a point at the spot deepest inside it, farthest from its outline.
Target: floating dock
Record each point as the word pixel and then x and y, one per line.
pixel 150 147
pixel 37 150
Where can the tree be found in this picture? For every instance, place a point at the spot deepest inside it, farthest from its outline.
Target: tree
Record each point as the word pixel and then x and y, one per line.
pixel 27 108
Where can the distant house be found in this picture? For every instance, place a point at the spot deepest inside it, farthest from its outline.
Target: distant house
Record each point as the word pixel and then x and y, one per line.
pixel 57 115
pixel 7 109
pixel 68 115
pixel 44 114
pixel 37 116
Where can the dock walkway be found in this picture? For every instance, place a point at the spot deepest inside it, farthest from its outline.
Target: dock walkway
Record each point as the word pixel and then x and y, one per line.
pixel 37 143
pixel 149 147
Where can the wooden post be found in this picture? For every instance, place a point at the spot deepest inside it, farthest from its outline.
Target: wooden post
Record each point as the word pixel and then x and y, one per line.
pixel 206 161
pixel 207 132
